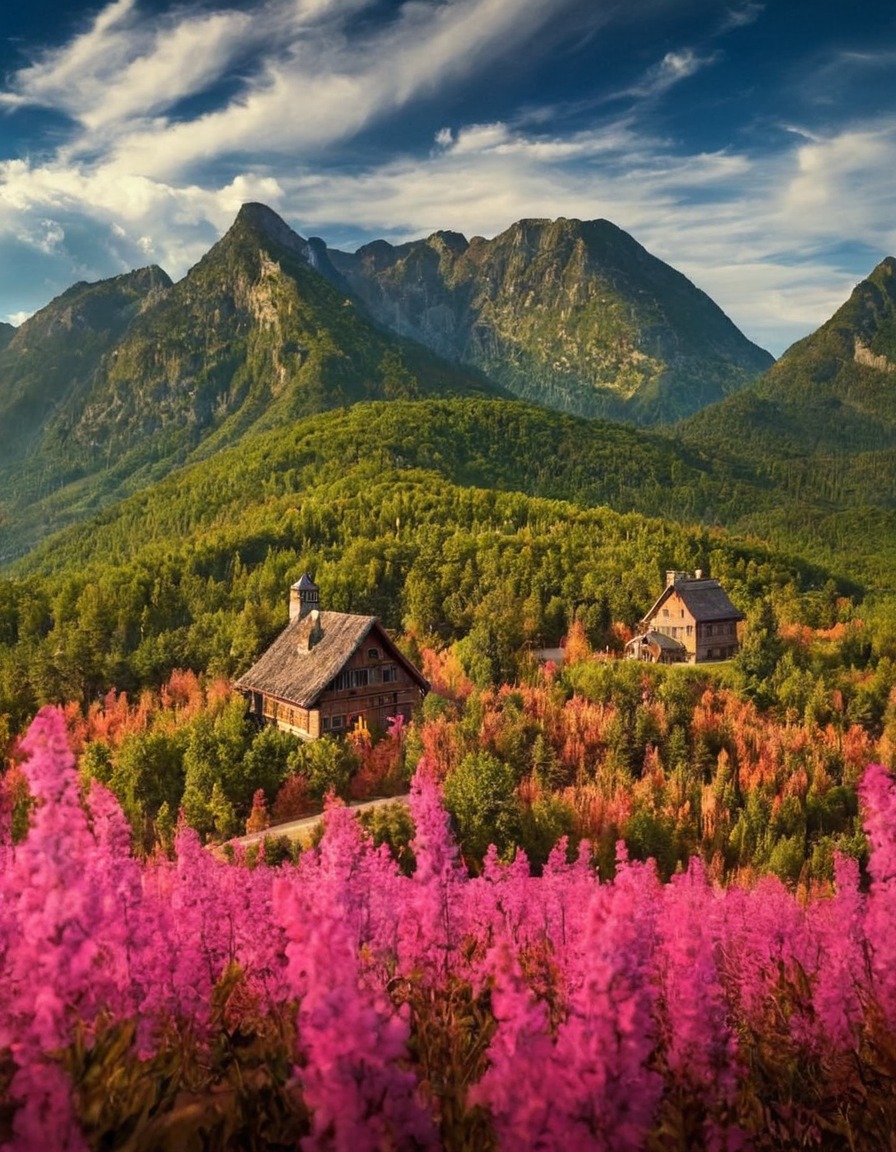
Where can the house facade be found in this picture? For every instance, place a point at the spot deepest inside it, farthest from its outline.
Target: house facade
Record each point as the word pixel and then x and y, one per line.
pixel 330 672
pixel 692 621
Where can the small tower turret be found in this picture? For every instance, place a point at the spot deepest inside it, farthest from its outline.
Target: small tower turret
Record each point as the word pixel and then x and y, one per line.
pixel 304 596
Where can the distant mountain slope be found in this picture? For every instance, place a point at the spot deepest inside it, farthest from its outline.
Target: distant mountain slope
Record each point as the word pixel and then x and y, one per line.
pixel 253 334
pixel 831 394
pixel 48 364
pixel 820 428
pixel 573 315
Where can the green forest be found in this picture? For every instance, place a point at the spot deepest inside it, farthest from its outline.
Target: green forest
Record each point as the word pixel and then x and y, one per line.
pixel 476 558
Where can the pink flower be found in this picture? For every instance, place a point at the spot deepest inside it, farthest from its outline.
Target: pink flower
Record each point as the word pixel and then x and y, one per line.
pixel 877 792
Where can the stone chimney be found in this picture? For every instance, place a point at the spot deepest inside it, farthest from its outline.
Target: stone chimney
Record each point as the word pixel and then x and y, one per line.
pixel 304 596
pixel 673 577
pixel 309 631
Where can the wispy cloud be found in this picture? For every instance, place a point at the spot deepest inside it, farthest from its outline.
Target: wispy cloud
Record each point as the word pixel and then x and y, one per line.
pixel 741 17
pixel 123 66
pixel 672 69
pixel 306 83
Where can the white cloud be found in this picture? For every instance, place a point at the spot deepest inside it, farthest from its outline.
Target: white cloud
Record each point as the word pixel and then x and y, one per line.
pixel 479 138
pixel 123 67
pixel 671 70
pixel 307 85
pixel 677 66
pixel 844 183
pixel 741 17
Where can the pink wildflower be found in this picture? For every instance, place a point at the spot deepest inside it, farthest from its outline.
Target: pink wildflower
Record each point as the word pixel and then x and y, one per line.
pixel 877 791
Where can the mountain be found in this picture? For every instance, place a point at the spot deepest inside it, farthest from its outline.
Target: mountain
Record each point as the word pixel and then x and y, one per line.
pixel 569 314
pixel 115 386
pixel 822 421
pixel 48 364
pixel 107 389
pixel 833 393
pixel 820 427
pixel 253 332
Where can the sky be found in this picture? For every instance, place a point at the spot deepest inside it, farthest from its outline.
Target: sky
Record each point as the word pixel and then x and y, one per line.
pixel 750 145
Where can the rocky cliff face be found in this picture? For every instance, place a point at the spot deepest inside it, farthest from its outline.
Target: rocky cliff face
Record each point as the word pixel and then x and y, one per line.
pixel 575 315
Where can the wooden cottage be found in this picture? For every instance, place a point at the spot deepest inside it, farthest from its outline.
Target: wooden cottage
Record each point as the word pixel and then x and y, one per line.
pixel 692 621
pixel 330 672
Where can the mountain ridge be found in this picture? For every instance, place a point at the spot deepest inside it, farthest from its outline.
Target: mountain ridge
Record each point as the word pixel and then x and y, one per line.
pixel 636 341
pixel 253 333
pixel 266 329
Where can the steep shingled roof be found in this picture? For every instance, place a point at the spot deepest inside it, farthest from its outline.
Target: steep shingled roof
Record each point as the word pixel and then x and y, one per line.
pixel 289 673
pixel 704 598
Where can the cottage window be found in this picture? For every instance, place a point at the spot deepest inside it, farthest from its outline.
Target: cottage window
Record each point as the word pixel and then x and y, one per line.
pixel 373 653
pixel 390 674
pixel 337 722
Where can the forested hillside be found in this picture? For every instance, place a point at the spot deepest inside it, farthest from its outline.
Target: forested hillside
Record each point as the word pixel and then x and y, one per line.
pixel 831 394
pixel 195 572
pixel 821 427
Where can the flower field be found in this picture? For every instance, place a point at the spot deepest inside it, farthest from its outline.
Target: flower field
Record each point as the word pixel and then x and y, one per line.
pixel 191 1002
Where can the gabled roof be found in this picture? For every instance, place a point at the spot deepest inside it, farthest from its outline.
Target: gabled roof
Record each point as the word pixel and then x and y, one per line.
pixel 287 672
pixel 659 639
pixel 705 599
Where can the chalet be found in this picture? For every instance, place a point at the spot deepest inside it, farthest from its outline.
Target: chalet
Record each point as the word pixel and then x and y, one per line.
pixel 330 672
pixel 692 621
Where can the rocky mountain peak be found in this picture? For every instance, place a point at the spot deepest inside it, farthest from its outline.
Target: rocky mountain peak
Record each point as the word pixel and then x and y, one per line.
pixel 453 242
pixel 868 316
pixel 260 218
pixel 263 226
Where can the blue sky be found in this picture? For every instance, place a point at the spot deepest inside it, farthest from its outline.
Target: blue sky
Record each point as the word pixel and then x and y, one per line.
pixel 751 145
